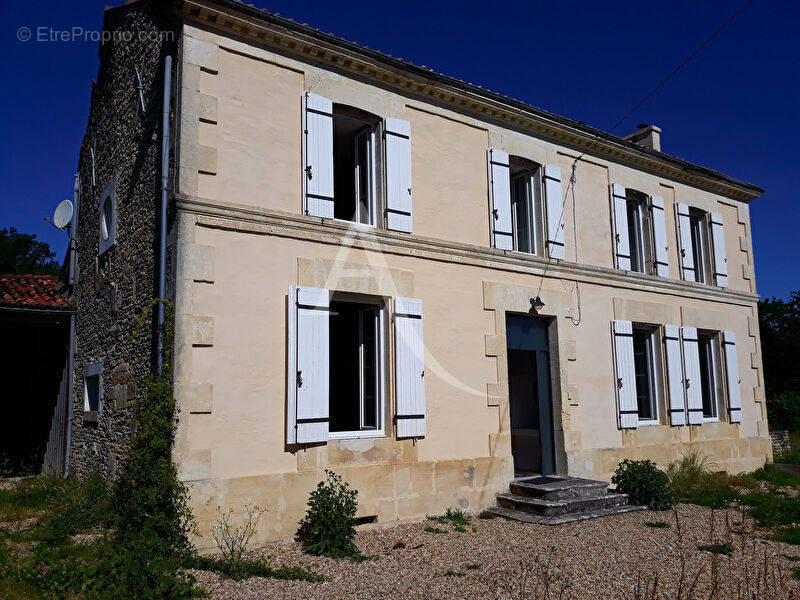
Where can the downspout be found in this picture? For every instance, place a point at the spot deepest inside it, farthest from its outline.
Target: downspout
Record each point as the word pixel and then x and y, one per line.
pixel 162 244
pixel 76 197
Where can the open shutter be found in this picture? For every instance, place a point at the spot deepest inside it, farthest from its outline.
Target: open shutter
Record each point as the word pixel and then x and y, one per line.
pixel 732 370
pixel 308 365
pixel 555 208
pixel 677 392
pixel 691 374
pixel 398 175
pixel 659 236
pixel 619 213
pixel 685 242
pixel 626 375
pixel 720 256
pixel 500 195
pixel 409 355
pixel 318 155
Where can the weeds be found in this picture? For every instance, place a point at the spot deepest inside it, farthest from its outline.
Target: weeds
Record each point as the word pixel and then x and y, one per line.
pixel 657 524
pixel 430 529
pixel 539 578
pixel 255 567
pixel 232 540
pixel 723 548
pixel 453 516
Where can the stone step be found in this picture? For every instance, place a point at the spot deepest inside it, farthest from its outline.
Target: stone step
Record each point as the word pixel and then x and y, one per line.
pixel 558 488
pixel 526 517
pixel 544 507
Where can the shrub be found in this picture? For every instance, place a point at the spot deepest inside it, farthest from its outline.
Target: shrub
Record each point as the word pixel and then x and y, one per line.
pixel 232 540
pixel 328 528
pixel 783 411
pixel 644 483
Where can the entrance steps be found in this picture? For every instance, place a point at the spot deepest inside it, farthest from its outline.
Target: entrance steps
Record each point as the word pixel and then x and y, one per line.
pixel 555 500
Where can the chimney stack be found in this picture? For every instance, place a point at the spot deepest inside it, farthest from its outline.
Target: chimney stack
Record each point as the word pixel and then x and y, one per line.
pixel 648 136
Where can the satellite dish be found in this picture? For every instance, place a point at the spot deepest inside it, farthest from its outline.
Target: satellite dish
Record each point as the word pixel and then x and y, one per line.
pixel 63 215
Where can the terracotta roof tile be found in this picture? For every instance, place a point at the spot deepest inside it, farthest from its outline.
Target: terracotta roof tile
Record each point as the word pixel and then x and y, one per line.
pixel 32 292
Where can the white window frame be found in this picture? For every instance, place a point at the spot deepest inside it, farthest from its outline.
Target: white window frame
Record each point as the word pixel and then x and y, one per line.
pixel 107 235
pixel 372 164
pixel 656 374
pixel 700 225
pixel 717 384
pixel 93 370
pixel 382 339
pixel 535 205
pixel 642 242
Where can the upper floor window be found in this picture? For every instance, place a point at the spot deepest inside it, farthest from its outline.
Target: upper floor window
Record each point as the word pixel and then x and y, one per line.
pixel 639 232
pixel 344 161
pixel 701 249
pixel 108 217
pixel 526 205
pixel 703 255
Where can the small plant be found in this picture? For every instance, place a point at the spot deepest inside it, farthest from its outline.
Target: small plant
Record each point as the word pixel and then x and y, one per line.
pixel 430 529
pixel 472 567
pixel 644 483
pixel 723 548
pixel 788 535
pixel 254 567
pixel 454 516
pixel 328 529
pixel 657 524
pixel 451 573
pixel 232 540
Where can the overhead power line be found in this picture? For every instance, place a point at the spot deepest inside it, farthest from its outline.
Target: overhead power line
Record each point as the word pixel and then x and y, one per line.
pixel 680 66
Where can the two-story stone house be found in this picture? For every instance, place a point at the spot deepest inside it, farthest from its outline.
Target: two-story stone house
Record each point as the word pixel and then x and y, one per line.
pixel 415 282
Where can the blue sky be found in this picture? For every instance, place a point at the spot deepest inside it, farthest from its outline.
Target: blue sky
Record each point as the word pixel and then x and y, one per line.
pixel 734 108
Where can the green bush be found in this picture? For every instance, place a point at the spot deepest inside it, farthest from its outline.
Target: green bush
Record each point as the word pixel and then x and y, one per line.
pixel 783 411
pixel 644 483
pixel 328 528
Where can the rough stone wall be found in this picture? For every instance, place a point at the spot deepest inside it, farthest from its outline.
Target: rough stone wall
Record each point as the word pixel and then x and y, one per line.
pixel 122 145
pixel 780 441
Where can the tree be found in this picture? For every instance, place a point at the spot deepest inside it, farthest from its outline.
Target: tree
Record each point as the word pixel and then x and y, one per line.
pixel 779 321
pixel 21 254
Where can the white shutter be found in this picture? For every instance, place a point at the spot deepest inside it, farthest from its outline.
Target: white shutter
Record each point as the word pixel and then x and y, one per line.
pixel 720 256
pixel 677 392
pixel 398 175
pixel 409 355
pixel 318 155
pixel 691 374
pixel 685 242
pixel 621 241
pixel 622 332
pixel 500 196
pixel 308 365
pixel 660 236
pixel 732 369
pixel 555 208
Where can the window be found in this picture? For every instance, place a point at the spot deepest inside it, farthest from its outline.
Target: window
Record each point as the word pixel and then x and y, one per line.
pixel 708 351
pixel 355 368
pixel 526 206
pixel 644 363
pixel 108 217
pixel 701 250
pixel 92 390
pixel 354 165
pixel 639 232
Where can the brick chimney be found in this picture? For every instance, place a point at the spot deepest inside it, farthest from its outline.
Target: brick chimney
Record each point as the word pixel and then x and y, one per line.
pixel 646 135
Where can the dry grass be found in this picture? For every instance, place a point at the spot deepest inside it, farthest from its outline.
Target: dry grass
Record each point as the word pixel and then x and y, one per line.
pixel 614 557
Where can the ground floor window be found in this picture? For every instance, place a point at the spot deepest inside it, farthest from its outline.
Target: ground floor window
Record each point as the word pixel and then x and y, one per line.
pixel 708 351
pixel 355 367
pixel 646 371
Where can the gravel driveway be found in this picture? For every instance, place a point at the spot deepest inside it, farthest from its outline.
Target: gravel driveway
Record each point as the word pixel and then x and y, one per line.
pixel 602 558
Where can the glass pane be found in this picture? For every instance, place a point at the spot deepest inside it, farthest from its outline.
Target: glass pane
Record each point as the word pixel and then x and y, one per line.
pixel 526 333
pixel 362 177
pixel 642 359
pixel 369 368
pixel 93 392
pixel 707 377
pixel 521 201
pixel 697 248
pixel 344 375
pixel 635 236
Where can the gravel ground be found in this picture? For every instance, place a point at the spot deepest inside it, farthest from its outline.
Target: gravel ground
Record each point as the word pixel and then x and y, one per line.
pixel 601 558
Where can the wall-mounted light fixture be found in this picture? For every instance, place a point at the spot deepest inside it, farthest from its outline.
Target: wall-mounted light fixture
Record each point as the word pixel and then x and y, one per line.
pixel 537 304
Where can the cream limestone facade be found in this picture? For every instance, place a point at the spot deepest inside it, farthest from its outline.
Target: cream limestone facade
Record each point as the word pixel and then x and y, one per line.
pixel 243 239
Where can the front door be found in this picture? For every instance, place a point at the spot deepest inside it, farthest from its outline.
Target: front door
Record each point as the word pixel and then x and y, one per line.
pixel 530 398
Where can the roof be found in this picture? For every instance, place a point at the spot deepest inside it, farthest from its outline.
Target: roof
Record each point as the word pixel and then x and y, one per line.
pixel 32 292
pixel 742 189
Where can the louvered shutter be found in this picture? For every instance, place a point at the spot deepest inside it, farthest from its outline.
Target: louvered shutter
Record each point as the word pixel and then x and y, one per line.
pixel 720 255
pixel 677 392
pixel 685 242
pixel 732 370
pixel 398 175
pixel 308 365
pixel 555 208
pixel 500 196
pixel 659 236
pixel 691 374
pixel 409 355
pixel 625 374
pixel 619 212
pixel 318 155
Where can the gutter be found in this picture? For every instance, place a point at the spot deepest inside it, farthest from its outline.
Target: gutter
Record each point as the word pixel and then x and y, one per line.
pixel 162 234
